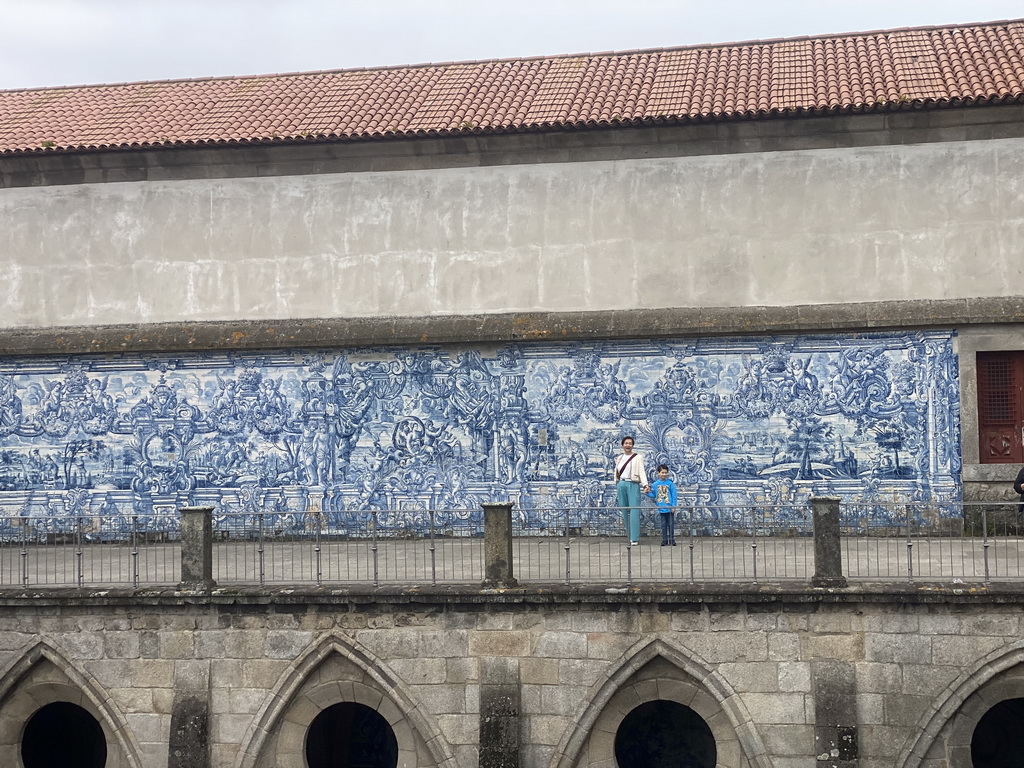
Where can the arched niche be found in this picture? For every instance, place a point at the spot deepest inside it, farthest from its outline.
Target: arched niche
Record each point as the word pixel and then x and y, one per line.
pixel 658 672
pixel 665 734
pixel 347 735
pixel 82 742
pixel 948 729
pixel 43 676
pixel 335 672
pixel 998 740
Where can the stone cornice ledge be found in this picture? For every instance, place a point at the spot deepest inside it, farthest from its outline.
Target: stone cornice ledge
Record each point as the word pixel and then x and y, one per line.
pixel 510 327
pixel 674 596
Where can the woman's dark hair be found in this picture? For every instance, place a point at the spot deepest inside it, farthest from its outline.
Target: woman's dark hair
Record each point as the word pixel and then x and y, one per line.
pixel 627 437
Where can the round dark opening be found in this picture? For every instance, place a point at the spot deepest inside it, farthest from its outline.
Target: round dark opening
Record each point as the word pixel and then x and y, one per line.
pixel 62 734
pixel 998 740
pixel 664 734
pixel 349 735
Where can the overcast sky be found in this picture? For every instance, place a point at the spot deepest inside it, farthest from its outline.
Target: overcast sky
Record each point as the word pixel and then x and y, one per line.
pixel 69 42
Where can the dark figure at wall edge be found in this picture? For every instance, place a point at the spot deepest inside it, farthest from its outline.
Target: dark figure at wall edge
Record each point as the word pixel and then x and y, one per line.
pixel 1018 488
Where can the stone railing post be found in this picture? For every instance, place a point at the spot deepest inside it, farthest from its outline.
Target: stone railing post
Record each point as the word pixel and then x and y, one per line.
pixel 828 554
pixel 498 545
pixel 197 548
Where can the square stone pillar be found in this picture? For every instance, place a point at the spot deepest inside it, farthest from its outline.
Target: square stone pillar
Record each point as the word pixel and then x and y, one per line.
pixel 836 740
pixel 500 705
pixel 188 744
pixel 828 553
pixel 197 549
pixel 498 545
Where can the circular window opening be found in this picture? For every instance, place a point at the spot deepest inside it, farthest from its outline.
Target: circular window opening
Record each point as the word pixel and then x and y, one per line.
pixel 998 740
pixel 349 735
pixel 62 734
pixel 664 734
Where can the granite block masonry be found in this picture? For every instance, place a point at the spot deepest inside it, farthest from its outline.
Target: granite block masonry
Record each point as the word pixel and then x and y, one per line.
pixel 796 675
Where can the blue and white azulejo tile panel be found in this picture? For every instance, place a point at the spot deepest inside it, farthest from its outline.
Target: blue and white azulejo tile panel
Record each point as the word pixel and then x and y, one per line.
pixel 739 420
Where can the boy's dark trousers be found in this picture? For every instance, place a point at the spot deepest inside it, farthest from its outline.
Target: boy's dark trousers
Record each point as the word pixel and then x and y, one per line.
pixel 668 527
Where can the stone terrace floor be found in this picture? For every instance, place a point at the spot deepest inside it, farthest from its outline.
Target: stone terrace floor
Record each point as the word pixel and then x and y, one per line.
pixel 540 559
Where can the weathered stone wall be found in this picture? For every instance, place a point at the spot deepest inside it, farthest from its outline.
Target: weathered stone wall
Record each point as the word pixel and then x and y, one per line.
pixel 739 228
pixel 982 482
pixel 893 676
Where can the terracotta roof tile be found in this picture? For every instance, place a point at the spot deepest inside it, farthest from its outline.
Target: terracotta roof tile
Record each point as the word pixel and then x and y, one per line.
pixel 872 71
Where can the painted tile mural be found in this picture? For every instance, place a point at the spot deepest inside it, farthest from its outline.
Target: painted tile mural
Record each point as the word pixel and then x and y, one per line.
pixel 739 420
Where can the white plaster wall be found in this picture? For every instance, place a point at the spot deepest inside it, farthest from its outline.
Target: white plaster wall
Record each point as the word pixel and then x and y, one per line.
pixel 942 220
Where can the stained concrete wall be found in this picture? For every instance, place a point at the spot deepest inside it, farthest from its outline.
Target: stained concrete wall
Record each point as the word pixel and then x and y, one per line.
pixel 982 482
pixel 914 671
pixel 826 226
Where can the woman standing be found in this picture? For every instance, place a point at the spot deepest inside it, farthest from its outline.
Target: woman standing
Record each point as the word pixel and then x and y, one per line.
pixel 630 482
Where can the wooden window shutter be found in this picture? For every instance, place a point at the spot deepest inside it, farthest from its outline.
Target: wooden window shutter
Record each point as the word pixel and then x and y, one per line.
pixel 1001 407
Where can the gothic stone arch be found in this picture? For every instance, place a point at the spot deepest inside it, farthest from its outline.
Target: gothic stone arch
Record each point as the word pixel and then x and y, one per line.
pixel 333 671
pixel 43 675
pixel 657 671
pixel 949 726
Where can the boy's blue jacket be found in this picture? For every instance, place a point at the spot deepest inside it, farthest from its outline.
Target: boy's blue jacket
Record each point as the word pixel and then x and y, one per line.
pixel 664 494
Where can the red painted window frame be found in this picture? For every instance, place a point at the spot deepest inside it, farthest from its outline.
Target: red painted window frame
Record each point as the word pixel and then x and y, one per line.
pixel 1001 407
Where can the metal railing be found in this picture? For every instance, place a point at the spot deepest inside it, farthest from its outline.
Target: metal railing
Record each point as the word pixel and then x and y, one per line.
pixel 712 543
pixel 421 546
pixel 90 550
pixel 949 542
pixel 880 542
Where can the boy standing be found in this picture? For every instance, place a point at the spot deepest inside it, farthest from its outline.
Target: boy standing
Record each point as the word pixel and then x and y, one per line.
pixel 663 491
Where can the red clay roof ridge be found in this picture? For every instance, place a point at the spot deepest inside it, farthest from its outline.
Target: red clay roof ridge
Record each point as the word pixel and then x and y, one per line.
pixel 889 70
pixel 510 59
